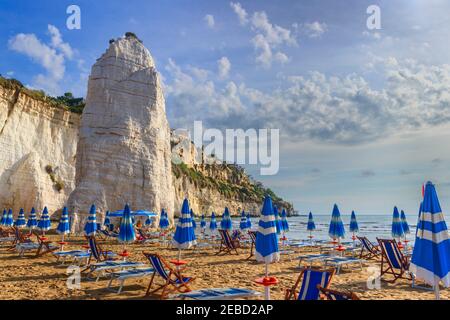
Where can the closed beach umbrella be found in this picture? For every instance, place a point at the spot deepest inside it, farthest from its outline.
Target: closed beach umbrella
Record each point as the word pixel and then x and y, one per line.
pixel 63 225
pixel 353 223
pixel 397 228
pixel 284 222
pixel 44 223
pixel 267 240
pixel 126 230
pixel 184 236
pixel 311 226
pixel 32 221
pixel 203 222
pixel 243 225
pixel 163 220
pixel 249 221
pixel 91 225
pixel 9 219
pixel 194 225
pixel 405 225
pixel 225 223
pixel 107 221
pixel 20 222
pixel 213 223
pixel 278 225
pixel 430 261
pixel 336 230
pixel 4 215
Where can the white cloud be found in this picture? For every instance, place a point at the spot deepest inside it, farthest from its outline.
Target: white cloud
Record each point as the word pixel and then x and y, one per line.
pixel 240 12
pixel 224 66
pixel 58 43
pixel 315 29
pixel 209 19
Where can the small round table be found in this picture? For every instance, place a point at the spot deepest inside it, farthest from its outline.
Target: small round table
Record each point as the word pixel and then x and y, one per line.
pixel 124 254
pixel 43 238
pixel 62 244
pixel 267 282
pixel 85 246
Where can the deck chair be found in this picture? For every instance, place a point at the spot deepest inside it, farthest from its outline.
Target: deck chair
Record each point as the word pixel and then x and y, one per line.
pixel 368 249
pixel 173 280
pixel 19 237
pixel 145 238
pixel 329 294
pixel 310 279
pixel 227 244
pixel 108 234
pixel 252 235
pixel 45 246
pixel 393 261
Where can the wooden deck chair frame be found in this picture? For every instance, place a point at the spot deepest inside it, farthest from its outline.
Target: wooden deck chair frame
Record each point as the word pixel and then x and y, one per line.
pixel 373 251
pixel 19 237
pixel 291 293
pixel 327 294
pixel 227 244
pixel 252 235
pixel 97 253
pixel 387 267
pixel 172 276
pixel 44 246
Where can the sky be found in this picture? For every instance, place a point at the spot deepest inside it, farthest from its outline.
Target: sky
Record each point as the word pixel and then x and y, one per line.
pixel 363 114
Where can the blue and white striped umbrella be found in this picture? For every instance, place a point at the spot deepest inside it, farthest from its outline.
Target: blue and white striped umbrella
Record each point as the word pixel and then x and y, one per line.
pixel 32 221
pixel 430 261
pixel 4 216
pixel 44 223
pixel 107 221
pixel 284 222
pixel 91 225
pixel 266 236
pixel 278 225
pixel 63 225
pixel 203 222
pixel 336 230
pixel 397 228
pixel 225 223
pixel 311 226
pixel 163 220
pixel 126 230
pixel 213 223
pixel 194 225
pixel 184 237
pixel 9 219
pixel 21 222
pixel 353 223
pixel 243 225
pixel 405 225
pixel 249 221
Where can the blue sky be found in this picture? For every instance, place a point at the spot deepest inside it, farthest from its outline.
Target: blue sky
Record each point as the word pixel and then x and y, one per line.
pixel 363 114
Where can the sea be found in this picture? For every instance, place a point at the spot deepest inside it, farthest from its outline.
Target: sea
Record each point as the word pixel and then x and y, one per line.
pixel 371 226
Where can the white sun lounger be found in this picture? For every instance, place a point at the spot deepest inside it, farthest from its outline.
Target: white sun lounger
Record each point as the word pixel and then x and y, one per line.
pixel 75 254
pixel 21 248
pixel 112 265
pixel 338 262
pixel 129 274
pixel 310 258
pixel 218 294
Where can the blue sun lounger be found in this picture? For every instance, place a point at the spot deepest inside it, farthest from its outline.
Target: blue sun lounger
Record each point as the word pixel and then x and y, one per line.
pixel 76 255
pixel 310 258
pixel 338 262
pixel 218 294
pixel 129 274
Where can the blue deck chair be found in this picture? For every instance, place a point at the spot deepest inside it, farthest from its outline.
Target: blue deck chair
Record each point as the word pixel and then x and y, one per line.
pixel 252 235
pixel 329 294
pixel 393 261
pixel 173 280
pixel 310 280
pixel 368 249
pixel 227 244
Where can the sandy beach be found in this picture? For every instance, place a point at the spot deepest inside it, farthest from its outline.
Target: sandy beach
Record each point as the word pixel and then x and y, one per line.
pixel 45 278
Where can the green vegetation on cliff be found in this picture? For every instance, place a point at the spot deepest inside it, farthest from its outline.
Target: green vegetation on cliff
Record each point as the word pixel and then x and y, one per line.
pixel 238 185
pixel 67 101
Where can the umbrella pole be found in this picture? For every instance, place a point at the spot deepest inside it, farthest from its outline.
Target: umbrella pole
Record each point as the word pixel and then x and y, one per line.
pixel 267 288
pixel 436 291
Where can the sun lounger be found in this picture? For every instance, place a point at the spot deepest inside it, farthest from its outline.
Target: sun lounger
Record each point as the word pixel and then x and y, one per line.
pixel 44 246
pixel 310 258
pixel 78 255
pixel 123 275
pixel 218 294
pixel 23 247
pixel 173 280
pixel 338 262
pixel 329 294
pixel 310 280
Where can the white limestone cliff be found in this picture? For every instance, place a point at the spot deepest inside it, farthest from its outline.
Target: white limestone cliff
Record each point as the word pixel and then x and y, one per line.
pixel 123 153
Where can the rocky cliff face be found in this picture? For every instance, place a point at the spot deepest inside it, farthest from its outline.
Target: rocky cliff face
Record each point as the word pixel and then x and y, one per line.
pixel 123 152
pixel 37 150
